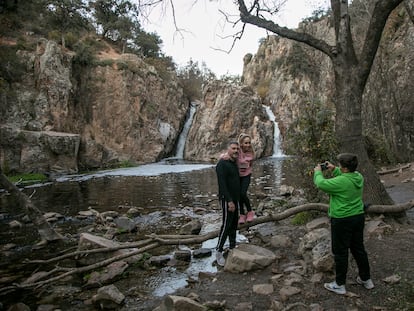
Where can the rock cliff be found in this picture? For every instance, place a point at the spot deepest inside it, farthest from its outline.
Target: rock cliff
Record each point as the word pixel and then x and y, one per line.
pixel 226 111
pixel 63 118
pixel 60 120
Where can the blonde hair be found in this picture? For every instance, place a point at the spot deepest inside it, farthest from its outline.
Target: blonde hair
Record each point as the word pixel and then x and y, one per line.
pixel 242 136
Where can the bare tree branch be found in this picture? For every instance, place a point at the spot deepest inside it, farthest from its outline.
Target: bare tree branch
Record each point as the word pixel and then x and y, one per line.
pixel 379 18
pixel 308 39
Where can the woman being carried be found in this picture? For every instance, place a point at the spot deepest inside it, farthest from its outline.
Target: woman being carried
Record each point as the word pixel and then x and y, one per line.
pixel 244 163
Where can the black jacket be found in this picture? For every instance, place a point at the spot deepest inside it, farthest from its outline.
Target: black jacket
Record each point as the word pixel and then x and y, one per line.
pixel 228 180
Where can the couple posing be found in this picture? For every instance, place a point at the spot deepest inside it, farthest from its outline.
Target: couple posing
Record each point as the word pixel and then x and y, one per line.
pixel 234 171
pixel 346 209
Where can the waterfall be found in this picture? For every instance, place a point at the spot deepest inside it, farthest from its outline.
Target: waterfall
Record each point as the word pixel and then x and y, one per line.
pixel 277 152
pixel 179 154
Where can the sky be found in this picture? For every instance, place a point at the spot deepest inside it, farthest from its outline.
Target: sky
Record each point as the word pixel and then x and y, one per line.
pixel 207 37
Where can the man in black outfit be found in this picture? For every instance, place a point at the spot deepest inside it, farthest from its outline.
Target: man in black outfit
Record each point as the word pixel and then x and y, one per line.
pixel 229 197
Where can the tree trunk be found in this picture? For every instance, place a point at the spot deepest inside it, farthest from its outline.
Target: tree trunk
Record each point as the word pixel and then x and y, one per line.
pixel 348 99
pixel 46 232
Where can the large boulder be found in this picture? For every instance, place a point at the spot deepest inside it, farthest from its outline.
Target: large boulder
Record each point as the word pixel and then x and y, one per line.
pixel 247 257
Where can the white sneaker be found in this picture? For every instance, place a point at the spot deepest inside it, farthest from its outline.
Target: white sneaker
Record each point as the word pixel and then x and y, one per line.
pixel 220 259
pixel 333 287
pixel 368 284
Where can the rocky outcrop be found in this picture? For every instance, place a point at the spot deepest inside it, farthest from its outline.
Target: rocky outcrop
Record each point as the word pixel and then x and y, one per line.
pixel 289 75
pixel 45 151
pixel 225 112
pixel 119 109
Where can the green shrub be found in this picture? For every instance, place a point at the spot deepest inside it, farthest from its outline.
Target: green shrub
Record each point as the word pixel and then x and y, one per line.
pixel 121 65
pixel 312 134
pixel 301 218
pixel 54 35
pixel 29 177
pixel 70 40
pixel 263 88
pixel 104 62
pixel 11 67
pixel 126 163
pixel 84 54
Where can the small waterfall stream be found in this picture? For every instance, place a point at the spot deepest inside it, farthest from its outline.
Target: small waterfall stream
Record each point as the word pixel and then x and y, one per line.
pixel 183 136
pixel 277 152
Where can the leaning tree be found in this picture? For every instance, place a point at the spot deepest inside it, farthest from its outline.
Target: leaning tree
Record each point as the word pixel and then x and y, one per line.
pixel 351 71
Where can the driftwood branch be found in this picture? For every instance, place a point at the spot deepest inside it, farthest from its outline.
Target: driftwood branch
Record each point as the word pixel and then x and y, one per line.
pixel 394 170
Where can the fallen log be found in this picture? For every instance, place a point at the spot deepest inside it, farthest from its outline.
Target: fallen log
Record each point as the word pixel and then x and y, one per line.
pixel 394 170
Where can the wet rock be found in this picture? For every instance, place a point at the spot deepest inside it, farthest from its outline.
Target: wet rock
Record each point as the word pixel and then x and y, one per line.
pixel 248 257
pixel 90 241
pixel 179 303
pixel 295 266
pixel 321 222
pixel 47 308
pixel 108 297
pixel 57 293
pixel 263 289
pixel 244 306
pixel 276 278
pixel 393 279
pixel 86 214
pixel 288 291
pixel 375 227
pixel 159 261
pixel 315 307
pixel 125 224
pixel 8 246
pixel 111 214
pixel 202 253
pixel 285 190
pixel 322 259
pixel 192 227
pixel 133 212
pixel 280 241
pixel 184 255
pixel 293 278
pixel 276 305
pixel 107 275
pixel 18 307
pixel 312 238
pixel 14 224
pixel 265 231
pixel 206 275
pixel 52 215
pixel 26 219
pixel 35 277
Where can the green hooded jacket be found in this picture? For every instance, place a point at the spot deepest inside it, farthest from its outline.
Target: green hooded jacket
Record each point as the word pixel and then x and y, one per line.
pixel 345 190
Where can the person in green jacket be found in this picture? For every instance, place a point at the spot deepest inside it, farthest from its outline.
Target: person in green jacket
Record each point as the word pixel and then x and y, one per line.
pixel 346 211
